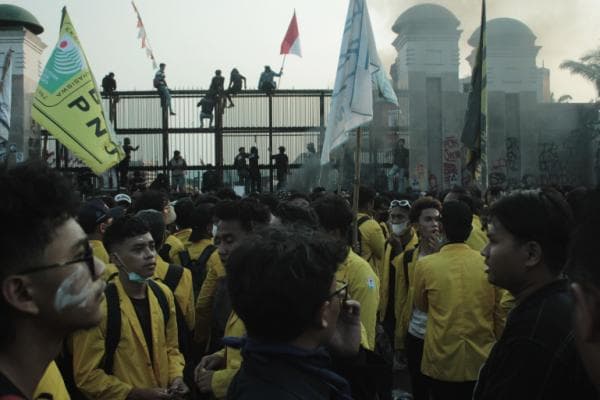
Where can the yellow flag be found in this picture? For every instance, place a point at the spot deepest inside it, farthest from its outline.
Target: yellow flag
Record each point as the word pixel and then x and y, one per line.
pixel 67 103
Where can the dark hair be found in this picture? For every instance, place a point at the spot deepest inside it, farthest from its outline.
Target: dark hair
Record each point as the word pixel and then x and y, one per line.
pixel 456 219
pixel 123 229
pixel 151 200
pixel 269 200
pixel 184 208
pixel 542 216
pixel 366 194
pixel 36 201
pixel 290 214
pixel 156 223
pixel 333 212
pixel 248 212
pixel 201 217
pixel 583 251
pixel 422 204
pixel 382 201
pixel 227 194
pixel 297 195
pixel 278 279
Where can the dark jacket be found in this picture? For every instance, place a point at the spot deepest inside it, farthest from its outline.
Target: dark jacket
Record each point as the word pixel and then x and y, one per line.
pixel 284 373
pixel 536 356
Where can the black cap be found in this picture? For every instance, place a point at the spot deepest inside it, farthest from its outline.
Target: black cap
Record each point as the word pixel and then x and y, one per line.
pixel 95 212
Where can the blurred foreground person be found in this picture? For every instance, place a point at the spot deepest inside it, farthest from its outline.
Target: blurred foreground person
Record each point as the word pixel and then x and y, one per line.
pixel 50 281
pixel 535 358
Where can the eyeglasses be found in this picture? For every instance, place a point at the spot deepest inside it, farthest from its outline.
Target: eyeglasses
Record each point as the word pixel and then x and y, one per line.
pixel 341 291
pixel 399 203
pixel 88 259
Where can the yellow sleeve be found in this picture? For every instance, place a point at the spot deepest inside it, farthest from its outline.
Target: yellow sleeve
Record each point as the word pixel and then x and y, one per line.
pixel 376 240
pixel 366 292
pixel 185 292
pixel 504 302
pixel 222 379
pixel 176 247
pixel 88 352
pixel 204 303
pixel 176 361
pixel 420 290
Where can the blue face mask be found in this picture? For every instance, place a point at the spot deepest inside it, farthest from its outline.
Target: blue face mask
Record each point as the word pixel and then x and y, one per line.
pixel 131 276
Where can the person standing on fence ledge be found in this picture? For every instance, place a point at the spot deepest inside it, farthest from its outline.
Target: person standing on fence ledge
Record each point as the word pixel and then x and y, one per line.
pixel 109 84
pixel 207 105
pixel 235 85
pixel 123 166
pixel 267 81
pixel 255 178
pixel 242 168
pixel 160 84
pixel 177 165
pixel 282 165
pixel 400 156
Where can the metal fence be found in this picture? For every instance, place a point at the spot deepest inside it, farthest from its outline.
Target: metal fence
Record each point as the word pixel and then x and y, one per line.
pixel 289 118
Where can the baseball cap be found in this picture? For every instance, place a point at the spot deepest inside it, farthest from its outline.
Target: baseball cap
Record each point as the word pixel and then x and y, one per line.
pixel 123 197
pixel 95 212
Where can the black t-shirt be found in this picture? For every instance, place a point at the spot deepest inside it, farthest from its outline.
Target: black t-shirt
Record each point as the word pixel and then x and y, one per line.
pixel 281 161
pixel 142 310
pixel 8 391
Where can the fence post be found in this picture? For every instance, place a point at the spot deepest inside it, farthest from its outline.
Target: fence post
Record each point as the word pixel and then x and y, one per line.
pixel 270 94
pixel 165 139
pixel 219 139
pixel 321 120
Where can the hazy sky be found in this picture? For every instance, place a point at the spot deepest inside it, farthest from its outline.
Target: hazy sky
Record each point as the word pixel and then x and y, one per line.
pixel 195 37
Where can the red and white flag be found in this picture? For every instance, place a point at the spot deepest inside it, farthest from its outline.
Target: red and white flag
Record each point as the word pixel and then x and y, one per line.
pixel 143 36
pixel 291 41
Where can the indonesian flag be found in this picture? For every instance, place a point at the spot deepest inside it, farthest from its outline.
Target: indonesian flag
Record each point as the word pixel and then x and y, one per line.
pixel 143 36
pixel 291 41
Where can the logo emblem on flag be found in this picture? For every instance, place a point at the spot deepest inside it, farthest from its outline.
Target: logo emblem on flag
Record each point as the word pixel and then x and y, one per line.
pixel 65 63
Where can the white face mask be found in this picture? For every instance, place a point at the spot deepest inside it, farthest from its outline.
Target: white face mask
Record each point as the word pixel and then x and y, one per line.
pixel 398 228
pixel 214 230
pixel 171 216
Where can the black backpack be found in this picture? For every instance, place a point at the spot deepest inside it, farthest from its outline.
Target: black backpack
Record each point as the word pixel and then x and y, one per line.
pixel 198 268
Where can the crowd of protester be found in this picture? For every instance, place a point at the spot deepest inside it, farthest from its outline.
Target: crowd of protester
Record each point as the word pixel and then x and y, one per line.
pixel 275 296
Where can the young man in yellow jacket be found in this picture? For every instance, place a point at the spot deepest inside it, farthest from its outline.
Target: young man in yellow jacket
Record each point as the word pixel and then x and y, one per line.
pixel 50 281
pixel 335 217
pixel 462 309
pixel 371 236
pixel 146 362
pixel 237 220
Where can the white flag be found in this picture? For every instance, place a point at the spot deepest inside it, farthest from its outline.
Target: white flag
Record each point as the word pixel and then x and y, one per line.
pixel 5 95
pixel 358 69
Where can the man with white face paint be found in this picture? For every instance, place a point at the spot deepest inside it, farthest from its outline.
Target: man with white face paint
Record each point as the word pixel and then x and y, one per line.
pixel 146 364
pixel 49 278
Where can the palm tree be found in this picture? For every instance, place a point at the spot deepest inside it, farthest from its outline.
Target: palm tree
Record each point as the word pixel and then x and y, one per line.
pixel 588 67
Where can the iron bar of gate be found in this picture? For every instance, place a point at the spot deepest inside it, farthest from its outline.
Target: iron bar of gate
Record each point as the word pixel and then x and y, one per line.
pixel 219 139
pixel 165 138
pixel 270 142
pixel 321 119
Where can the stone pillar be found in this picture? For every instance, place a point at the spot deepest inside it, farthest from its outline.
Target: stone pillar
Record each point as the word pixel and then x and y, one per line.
pixel 27 69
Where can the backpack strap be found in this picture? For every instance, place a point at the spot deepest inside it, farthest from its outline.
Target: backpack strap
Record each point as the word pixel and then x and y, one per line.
pixel 164 252
pixel 185 258
pixel 162 300
pixel 406 259
pixel 173 276
pixel 113 327
pixel 198 268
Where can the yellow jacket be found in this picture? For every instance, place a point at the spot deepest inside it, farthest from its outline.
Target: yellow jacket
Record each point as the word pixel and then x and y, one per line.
pixel 388 263
pixel 372 242
pixel 109 272
pixel 184 236
pixel 99 251
pixel 204 303
pixel 176 246
pixel 233 358
pixel 52 384
pixel 451 286
pixel 477 240
pixel 363 285
pixel 184 293
pixel 133 367
pixel 403 303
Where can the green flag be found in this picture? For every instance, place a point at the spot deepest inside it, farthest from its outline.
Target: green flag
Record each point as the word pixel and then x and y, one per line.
pixel 67 103
pixel 474 134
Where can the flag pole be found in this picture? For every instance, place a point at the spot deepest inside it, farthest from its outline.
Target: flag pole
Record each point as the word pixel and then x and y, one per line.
pixel 355 191
pixel 281 70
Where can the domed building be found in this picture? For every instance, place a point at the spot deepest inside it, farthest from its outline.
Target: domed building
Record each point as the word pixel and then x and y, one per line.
pixel 511 58
pixel 19 31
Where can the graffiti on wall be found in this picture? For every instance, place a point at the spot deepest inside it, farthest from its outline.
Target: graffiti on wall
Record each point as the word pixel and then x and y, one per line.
pixel 451 161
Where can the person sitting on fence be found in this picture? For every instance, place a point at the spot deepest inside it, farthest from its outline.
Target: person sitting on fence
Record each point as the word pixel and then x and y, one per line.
pixel 235 85
pixel 267 81
pixel 207 105
pixel 160 84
